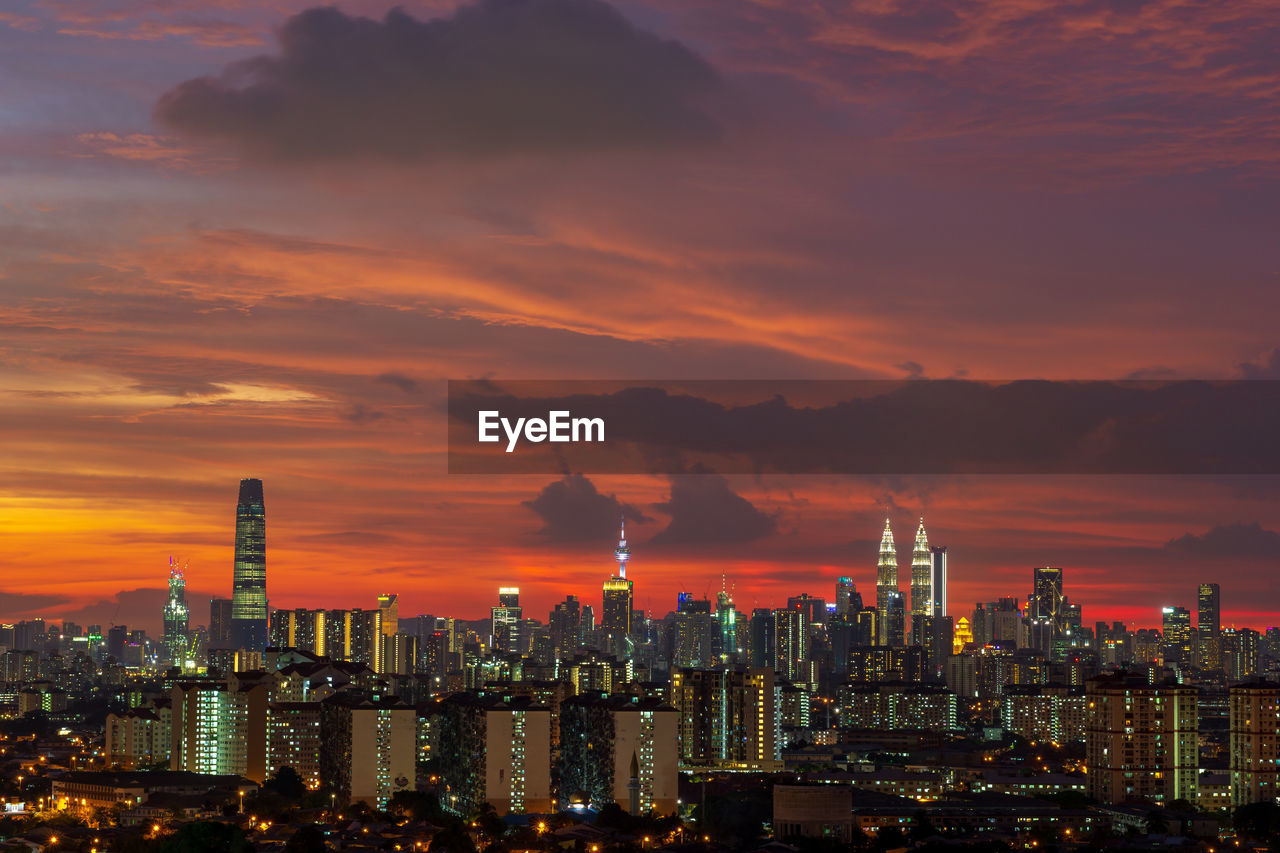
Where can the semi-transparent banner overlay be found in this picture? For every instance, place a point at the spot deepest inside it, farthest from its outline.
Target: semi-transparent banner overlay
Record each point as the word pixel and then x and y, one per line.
pixel 864 427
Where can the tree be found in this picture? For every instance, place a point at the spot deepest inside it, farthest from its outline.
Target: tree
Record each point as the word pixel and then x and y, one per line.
pixel 921 827
pixel 1257 821
pixel 286 783
pixel 207 837
pixel 490 824
pixel 454 838
pixel 308 839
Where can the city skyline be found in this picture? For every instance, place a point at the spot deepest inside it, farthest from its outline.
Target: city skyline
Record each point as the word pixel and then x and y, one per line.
pixel 922 563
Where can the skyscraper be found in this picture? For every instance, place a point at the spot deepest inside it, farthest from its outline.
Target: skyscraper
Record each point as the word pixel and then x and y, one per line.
pixel 921 568
pixel 1141 740
pixel 1209 627
pixel 1255 747
pixel 791 644
pixel 886 584
pixel 249 580
pixel 219 623
pixel 389 604
pixel 616 605
pixel 1178 644
pixel 938 580
pixel 504 620
pixel 1046 599
pixel 727 616
pixel 176 613
pixel 845 591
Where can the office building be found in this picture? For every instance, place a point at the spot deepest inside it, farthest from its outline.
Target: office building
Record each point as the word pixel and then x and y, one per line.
pixel 1209 627
pixel 219 623
pixel 887 589
pixel 938 580
pixel 846 595
pixel 1178 645
pixel 389 607
pixel 249 577
pixel 921 576
pixel 177 616
pixel 504 620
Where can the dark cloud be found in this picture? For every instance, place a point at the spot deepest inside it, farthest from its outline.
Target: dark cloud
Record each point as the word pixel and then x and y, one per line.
pixel 139 608
pixel 362 414
pixel 499 77
pixel 1268 367
pixel 705 510
pixel 573 510
pixel 1230 540
pixel 23 604
pixel 399 380
pixel 890 427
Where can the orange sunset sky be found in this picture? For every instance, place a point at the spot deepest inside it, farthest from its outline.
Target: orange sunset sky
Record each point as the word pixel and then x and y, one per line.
pixel 253 239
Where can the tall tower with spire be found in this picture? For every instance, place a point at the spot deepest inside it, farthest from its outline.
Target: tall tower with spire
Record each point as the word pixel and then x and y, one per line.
pixel 886 586
pixel 618 594
pixel 176 613
pixel 921 594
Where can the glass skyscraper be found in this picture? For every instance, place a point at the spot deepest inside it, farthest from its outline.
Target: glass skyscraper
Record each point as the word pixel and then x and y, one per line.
pixel 249 580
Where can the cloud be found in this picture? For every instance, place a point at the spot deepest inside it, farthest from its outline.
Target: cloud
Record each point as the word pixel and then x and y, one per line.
pixel 704 510
pixel 25 604
pixel 139 608
pixel 498 77
pixel 892 427
pixel 1268 367
pixel 1230 540
pixel 573 510
pixel 399 380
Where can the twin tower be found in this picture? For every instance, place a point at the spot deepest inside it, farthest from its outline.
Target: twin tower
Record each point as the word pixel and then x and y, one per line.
pixel 928 585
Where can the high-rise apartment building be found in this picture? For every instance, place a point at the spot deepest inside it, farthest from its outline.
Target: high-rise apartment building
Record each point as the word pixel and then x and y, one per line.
pixel 495 750
pixel 791 644
pixel 221 728
pixel 294 739
pixel 728 717
pixel 620 749
pixel 368 748
pixel 1254 758
pixel 1141 740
